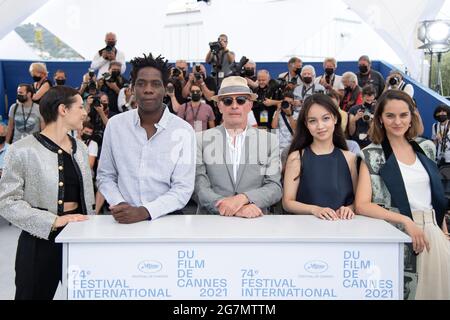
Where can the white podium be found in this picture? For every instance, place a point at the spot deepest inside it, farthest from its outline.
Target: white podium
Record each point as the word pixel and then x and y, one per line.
pixel 200 257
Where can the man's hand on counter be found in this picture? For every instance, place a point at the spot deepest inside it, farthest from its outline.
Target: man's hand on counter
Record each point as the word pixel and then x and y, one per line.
pixel 124 213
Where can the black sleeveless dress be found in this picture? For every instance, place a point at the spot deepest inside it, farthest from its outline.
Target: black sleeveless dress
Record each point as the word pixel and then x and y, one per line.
pixel 325 180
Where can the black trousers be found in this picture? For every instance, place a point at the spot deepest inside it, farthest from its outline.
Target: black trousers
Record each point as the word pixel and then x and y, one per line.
pixel 38 267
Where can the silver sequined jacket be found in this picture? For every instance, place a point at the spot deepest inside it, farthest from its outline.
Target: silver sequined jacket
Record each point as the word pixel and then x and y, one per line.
pixel 32 184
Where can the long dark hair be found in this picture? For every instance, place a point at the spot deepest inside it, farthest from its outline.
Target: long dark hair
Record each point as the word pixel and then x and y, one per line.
pixel 303 137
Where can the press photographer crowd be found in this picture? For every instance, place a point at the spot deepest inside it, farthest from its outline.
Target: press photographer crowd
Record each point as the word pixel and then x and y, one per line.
pixel 107 93
pixel 238 141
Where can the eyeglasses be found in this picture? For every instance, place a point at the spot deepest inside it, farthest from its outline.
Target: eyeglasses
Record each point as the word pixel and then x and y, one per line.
pixel 195 91
pixel 228 101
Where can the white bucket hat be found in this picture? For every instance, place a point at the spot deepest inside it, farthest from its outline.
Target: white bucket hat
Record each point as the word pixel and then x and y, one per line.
pixel 234 85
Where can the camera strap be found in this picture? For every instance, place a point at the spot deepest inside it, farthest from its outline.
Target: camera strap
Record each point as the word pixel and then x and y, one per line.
pixel 444 136
pixel 194 114
pixel 331 78
pixel 286 122
pixel 306 90
pixel 25 120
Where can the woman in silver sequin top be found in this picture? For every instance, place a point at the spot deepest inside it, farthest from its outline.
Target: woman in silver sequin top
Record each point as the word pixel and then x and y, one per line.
pixel 46 184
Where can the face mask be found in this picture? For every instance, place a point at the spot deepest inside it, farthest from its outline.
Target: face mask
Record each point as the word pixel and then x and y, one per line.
pixel 111 43
pixel 442 118
pixel 367 105
pixel 363 69
pixel 298 71
pixel 196 97
pixel 105 105
pixel 60 82
pixel 329 71
pixel 22 98
pixel 2 139
pixel 37 79
pixel 115 73
pixel 85 136
pixel 249 72
pixel 348 89
pixel 307 80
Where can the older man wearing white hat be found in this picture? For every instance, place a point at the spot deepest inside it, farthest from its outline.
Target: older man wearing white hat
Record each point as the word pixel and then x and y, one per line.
pixel 238 166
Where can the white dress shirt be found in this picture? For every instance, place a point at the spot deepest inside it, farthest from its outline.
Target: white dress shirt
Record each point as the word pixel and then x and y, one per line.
pixel 157 173
pixel 235 149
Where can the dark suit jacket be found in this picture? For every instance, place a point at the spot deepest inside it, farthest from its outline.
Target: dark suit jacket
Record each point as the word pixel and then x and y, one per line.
pixel 393 180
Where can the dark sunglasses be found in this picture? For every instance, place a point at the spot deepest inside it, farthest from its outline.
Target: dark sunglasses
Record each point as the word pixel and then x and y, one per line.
pixel 228 101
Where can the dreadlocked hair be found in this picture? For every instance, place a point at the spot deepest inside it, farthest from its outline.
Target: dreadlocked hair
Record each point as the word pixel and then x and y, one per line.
pixel 158 63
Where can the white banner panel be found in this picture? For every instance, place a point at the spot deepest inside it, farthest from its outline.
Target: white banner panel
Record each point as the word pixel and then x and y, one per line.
pixel 234 271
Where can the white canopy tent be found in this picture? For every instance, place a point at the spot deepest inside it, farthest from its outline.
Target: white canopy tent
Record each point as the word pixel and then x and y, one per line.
pixel 264 30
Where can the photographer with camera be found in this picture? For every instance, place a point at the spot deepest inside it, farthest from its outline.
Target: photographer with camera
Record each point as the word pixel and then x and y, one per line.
pixel 352 92
pixel 182 65
pixel 265 105
pixel 97 110
pixel 125 101
pixel 395 82
pixel 177 79
pixel 307 87
pixel 293 76
pixel 361 117
pixel 330 80
pixel 368 76
pixel 285 120
pixel 111 83
pixel 220 58
pixel 196 112
pixel 249 73
pixel 198 77
pixel 89 85
pixel 105 56
pixel 441 134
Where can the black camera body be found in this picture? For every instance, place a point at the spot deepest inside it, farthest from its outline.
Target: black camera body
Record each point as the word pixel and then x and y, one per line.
pixel 237 69
pixel 285 104
pixel 92 85
pixel 176 72
pixel 215 46
pixel 96 102
pixel 198 73
pixel 394 81
pixel 109 77
pixel 367 116
pixel 91 73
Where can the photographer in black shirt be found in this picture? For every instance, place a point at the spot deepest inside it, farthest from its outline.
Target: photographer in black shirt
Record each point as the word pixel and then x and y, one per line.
pixel 360 117
pixel 266 104
pixel 111 83
pixel 220 58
